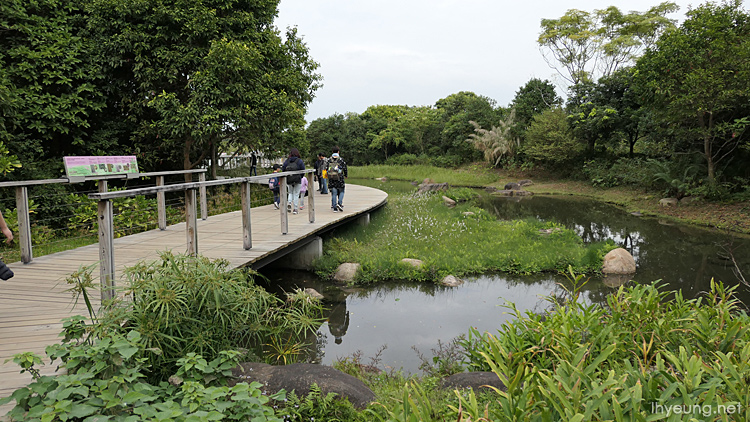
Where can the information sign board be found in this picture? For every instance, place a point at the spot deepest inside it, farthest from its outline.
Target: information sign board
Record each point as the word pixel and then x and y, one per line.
pixel 100 165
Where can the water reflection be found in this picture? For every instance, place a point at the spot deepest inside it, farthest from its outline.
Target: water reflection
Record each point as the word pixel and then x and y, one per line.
pixel 683 256
pixel 402 315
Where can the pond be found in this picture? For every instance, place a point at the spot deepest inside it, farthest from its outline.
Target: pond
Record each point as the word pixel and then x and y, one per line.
pixel 389 324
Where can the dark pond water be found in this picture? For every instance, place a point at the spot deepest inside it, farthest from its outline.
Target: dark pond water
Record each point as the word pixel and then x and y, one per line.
pixel 401 317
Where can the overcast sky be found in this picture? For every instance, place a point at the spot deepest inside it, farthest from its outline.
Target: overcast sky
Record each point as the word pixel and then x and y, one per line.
pixel 415 52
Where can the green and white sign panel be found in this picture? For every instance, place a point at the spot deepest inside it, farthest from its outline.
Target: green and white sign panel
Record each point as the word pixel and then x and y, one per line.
pixel 100 165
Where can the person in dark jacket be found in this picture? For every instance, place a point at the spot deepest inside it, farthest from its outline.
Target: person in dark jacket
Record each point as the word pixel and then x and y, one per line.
pixel 273 184
pixel 293 182
pixel 337 172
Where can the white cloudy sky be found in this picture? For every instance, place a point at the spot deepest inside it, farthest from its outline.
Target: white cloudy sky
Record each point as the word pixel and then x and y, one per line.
pixel 415 52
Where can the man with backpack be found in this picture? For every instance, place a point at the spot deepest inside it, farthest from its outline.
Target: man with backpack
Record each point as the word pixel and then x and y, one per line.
pixel 337 172
pixel 293 182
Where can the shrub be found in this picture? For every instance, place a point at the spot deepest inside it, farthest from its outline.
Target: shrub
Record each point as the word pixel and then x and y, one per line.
pixel 104 379
pixel 185 304
pixel 585 362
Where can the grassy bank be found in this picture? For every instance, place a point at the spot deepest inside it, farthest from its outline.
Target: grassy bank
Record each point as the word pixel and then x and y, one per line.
pixel 730 216
pixel 472 176
pixel 454 241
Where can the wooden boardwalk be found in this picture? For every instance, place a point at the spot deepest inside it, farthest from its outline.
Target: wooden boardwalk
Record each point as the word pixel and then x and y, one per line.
pixel 33 302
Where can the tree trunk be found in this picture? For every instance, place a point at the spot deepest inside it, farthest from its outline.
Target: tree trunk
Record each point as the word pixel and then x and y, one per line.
pixel 214 160
pixel 186 164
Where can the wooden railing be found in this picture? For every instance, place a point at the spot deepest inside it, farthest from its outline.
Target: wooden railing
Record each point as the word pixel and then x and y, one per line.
pixel 22 200
pixel 105 215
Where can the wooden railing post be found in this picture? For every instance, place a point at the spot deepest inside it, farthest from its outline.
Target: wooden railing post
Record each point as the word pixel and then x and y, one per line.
pixel 191 222
pixel 106 250
pixel 310 197
pixel 247 239
pixel 204 201
pixel 106 245
pixel 283 204
pixel 24 225
pixel 161 204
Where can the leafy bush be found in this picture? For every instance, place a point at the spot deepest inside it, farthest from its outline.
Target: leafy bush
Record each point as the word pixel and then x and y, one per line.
pixel 550 140
pixel 130 215
pixel 403 160
pixel 185 304
pixel 446 161
pixel 104 379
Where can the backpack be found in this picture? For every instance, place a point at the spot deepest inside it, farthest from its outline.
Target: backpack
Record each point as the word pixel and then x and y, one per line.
pixel 294 178
pixel 334 170
pixel 273 183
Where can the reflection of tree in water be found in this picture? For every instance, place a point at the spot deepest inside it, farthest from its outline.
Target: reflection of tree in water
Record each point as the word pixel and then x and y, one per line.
pixel 683 256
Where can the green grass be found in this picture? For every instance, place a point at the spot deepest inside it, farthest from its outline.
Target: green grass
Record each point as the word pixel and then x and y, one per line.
pixel 450 242
pixel 470 176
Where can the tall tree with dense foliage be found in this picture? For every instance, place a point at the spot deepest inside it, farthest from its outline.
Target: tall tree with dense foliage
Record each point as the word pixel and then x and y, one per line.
pixel 457 111
pixel 190 74
pixel 581 46
pixel 698 77
pixel 531 99
pixel 48 92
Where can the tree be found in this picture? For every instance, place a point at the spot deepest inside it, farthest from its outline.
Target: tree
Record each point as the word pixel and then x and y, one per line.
pixel 457 111
pixel 189 75
pixel 591 118
pixel 698 81
pixel 550 140
pixel 382 131
pixel 618 92
pixel 48 95
pixel 588 45
pixel 530 100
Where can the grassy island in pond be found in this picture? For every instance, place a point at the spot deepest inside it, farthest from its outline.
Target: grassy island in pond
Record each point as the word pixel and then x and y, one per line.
pixel 455 241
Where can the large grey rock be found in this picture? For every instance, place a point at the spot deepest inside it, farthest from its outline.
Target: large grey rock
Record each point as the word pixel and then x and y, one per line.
pixel 416 263
pixel 668 202
pixel 618 261
pixel 474 380
pixel 346 272
pixel 512 186
pixel 451 281
pixel 299 377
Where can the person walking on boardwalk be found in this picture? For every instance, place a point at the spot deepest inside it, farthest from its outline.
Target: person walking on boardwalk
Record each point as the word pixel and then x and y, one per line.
pixel 337 172
pixel 320 169
pixel 253 164
pixel 293 182
pixel 302 192
pixel 5 272
pixel 273 184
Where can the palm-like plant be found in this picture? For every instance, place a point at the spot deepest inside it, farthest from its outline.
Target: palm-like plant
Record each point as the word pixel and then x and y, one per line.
pixel 497 142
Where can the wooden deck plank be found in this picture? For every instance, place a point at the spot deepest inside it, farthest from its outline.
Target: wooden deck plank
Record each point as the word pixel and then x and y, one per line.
pixel 33 303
